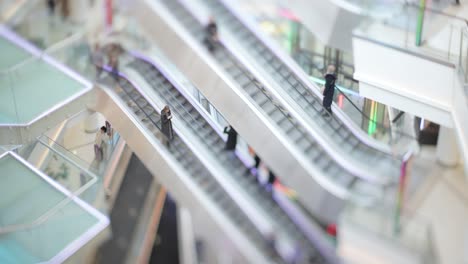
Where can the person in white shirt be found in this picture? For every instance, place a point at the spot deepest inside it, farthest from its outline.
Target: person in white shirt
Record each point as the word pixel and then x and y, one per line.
pixel 99 143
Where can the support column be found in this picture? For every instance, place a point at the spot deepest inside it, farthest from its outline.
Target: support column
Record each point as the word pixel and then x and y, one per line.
pixel 79 10
pixel 447 148
pixel 93 122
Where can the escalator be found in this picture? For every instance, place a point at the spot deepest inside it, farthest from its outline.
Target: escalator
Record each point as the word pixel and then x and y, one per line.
pixel 239 173
pixel 178 167
pixel 280 139
pixel 352 142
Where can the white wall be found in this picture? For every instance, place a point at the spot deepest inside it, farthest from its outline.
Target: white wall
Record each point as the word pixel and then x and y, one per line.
pixel 425 86
pixel 418 85
pixel 331 24
pixel 460 119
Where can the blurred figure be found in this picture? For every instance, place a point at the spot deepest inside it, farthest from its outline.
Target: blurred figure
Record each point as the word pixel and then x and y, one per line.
pixel 114 64
pixel 256 159
pixel 113 54
pixel 97 58
pixel 329 90
pixel 166 124
pixel 232 138
pixel 271 178
pixel 65 8
pixel 51 6
pixel 99 142
pixel 211 38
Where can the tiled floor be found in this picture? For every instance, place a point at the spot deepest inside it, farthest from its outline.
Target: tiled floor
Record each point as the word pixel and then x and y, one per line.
pixel 442 200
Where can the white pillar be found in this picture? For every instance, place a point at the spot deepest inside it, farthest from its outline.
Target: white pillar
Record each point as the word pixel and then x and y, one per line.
pixel 93 122
pixel 447 149
pixel 79 10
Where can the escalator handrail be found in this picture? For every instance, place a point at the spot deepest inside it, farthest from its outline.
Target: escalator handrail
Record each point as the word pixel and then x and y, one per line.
pixel 292 65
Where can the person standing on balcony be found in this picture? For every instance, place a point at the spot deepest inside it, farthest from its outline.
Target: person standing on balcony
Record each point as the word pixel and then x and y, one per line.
pixel 232 138
pixel 329 90
pixel 166 124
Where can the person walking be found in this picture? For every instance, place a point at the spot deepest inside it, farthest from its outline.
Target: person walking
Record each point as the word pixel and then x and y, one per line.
pixel 166 124
pixel 114 64
pixel 51 6
pixel 99 142
pixel 97 58
pixel 256 158
pixel 232 138
pixel 211 38
pixel 329 90
pixel 270 181
pixel 271 178
pixel 65 8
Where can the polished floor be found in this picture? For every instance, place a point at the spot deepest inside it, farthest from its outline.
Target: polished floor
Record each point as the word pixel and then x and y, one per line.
pixel 442 200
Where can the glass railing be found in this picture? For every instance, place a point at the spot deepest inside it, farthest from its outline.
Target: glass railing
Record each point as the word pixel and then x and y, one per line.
pixel 44 242
pixel 38 210
pixel 28 77
pixel 47 199
pixel 421 30
pixel 8 105
pixel 67 170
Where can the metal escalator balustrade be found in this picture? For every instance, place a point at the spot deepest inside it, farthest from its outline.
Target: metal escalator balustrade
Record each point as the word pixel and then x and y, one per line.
pixel 213 141
pixel 295 132
pixel 187 159
pixel 334 128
